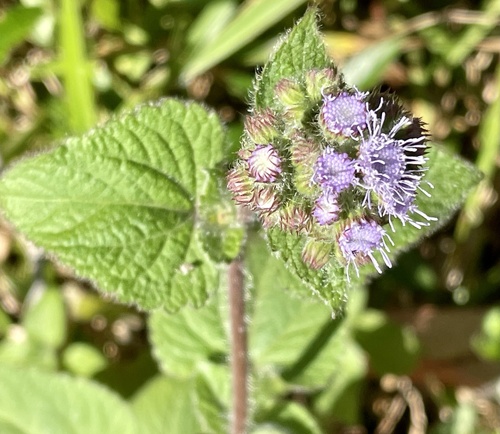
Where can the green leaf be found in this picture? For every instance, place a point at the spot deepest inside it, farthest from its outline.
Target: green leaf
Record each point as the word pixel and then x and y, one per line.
pixel 166 405
pixel 382 338
pixel 287 418
pixel 282 325
pixel 213 389
pixel 365 69
pixel 15 25
pixel 37 402
pixel 329 283
pixel 253 19
pixel 83 359
pixel 341 399
pixel 182 342
pixel 453 178
pixel 300 50
pixel 45 319
pixel 118 205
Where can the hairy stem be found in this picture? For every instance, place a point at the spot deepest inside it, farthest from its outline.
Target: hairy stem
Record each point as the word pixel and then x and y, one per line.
pixel 239 363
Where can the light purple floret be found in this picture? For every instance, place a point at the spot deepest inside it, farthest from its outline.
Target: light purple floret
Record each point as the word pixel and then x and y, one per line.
pixel 264 163
pixel 334 171
pixel 326 209
pixel 360 239
pixel 392 169
pixel 345 113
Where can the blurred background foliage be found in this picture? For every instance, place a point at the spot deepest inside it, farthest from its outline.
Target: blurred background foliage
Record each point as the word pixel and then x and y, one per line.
pixel 427 331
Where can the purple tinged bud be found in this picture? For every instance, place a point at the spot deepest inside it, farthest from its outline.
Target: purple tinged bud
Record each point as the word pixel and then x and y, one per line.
pixel 294 219
pixel 304 152
pixel 359 240
pixel 334 171
pixel 240 185
pixel 261 127
pixel 265 199
pixel 316 254
pixel 264 164
pixel 345 114
pixel 326 209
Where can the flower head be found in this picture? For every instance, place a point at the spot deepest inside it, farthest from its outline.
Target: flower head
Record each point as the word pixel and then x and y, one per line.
pixel 334 171
pixel 264 163
pixel 326 209
pixel 359 240
pixel 345 114
pixel 392 167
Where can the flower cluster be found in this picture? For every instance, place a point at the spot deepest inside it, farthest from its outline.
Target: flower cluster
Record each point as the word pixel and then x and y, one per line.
pixel 335 165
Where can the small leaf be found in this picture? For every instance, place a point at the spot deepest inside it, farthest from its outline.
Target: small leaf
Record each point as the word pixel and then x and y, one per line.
pixel 45 319
pixel 287 418
pixel 182 342
pixel 118 205
pixel 83 359
pixel 301 50
pixel 38 402
pixel 166 405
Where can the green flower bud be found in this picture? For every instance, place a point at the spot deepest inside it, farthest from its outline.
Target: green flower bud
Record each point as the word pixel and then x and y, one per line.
pixel 261 127
pixel 316 254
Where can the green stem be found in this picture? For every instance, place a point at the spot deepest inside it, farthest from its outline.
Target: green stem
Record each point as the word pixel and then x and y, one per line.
pixel 239 350
pixel 76 71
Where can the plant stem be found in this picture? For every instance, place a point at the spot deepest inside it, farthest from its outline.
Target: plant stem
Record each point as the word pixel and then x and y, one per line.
pixel 239 363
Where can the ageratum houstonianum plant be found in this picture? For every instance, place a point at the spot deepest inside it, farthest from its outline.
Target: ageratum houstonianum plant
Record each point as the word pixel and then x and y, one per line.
pixel 334 165
pixel 142 207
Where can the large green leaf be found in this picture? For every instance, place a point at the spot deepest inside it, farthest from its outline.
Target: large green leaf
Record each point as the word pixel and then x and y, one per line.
pixel 37 402
pixel 182 342
pixel 118 205
pixel 301 50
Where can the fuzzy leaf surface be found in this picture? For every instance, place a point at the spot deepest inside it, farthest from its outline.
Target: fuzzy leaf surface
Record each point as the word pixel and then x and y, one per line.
pixel 300 50
pixel 118 204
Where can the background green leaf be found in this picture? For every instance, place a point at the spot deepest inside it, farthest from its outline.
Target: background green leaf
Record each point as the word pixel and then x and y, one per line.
pixel 252 19
pixel 118 204
pixel 36 402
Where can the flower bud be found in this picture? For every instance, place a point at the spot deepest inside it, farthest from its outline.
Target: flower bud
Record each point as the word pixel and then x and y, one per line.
pixel 294 218
pixel 318 80
pixel 240 184
pixel 264 164
pixel 261 127
pixel 265 199
pixel 315 253
pixel 292 98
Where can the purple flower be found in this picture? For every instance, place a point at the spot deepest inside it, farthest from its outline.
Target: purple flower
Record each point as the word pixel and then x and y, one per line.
pixel 334 171
pixel 359 240
pixel 326 209
pixel 264 163
pixel 345 113
pixel 392 168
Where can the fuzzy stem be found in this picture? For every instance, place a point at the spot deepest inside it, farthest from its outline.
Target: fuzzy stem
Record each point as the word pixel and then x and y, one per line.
pixel 239 364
